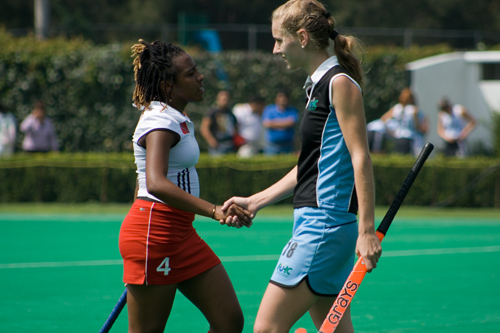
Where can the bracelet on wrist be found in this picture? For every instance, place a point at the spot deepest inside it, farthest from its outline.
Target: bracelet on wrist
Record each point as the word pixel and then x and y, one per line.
pixel 213 212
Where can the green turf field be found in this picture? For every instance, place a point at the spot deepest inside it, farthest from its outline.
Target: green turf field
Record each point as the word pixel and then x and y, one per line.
pixel 60 270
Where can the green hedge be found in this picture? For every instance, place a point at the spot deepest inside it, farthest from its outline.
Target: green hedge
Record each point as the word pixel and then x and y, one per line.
pixel 73 178
pixel 87 88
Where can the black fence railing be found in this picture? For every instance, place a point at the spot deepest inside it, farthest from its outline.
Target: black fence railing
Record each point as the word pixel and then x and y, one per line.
pixel 258 37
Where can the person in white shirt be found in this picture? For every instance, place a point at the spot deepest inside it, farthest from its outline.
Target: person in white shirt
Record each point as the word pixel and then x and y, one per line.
pixel 455 123
pixel 8 132
pixel 250 126
pixel 406 124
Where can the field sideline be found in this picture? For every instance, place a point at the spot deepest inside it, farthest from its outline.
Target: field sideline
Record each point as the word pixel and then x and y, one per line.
pixel 283 210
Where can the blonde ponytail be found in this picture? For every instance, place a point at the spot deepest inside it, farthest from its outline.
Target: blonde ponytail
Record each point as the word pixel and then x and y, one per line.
pixel 347 49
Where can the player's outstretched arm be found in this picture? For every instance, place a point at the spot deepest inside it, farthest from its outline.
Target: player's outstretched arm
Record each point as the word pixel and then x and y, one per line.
pixel 274 193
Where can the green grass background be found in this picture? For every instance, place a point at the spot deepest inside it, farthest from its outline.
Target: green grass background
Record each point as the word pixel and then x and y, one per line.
pixel 411 290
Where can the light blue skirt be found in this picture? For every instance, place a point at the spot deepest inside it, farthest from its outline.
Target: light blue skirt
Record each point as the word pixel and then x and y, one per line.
pixel 321 251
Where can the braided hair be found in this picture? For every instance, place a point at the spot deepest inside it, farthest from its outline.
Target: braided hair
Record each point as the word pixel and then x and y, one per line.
pixel 153 68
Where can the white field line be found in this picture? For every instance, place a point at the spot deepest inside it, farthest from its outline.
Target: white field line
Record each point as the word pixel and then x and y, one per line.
pixel 268 257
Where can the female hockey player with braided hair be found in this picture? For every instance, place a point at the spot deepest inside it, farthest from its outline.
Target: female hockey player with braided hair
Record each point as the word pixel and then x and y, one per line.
pixel 161 250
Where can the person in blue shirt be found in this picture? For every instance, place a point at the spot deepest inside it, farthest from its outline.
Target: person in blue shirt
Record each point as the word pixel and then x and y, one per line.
pixel 279 121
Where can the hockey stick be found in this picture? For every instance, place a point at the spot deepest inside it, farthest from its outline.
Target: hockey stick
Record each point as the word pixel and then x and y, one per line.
pixel 354 280
pixel 115 313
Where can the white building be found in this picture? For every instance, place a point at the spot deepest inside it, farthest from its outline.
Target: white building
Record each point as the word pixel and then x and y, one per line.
pixel 471 79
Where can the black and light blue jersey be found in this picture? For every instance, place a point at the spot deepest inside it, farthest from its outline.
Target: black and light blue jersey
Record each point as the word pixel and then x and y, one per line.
pixel 325 177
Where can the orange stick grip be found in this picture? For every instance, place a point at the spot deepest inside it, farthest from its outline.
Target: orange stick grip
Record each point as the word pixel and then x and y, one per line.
pixel 346 295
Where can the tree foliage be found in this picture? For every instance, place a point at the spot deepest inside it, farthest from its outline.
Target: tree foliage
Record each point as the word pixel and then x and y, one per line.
pixel 78 17
pixel 420 14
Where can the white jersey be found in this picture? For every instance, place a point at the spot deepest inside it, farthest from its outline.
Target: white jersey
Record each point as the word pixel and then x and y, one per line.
pixel 7 133
pixel 249 123
pixel 453 123
pixel 183 156
pixel 405 117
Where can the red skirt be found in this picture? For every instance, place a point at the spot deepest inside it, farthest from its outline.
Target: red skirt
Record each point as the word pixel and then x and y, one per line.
pixel 159 245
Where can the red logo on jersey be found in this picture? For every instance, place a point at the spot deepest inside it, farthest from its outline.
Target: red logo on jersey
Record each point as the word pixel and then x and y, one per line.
pixel 184 128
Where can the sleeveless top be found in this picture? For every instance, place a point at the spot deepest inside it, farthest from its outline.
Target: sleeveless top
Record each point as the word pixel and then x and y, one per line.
pixel 404 116
pixel 325 177
pixel 453 123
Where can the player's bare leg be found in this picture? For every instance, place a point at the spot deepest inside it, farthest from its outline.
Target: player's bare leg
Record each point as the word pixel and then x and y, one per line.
pixel 149 307
pixel 282 307
pixel 213 294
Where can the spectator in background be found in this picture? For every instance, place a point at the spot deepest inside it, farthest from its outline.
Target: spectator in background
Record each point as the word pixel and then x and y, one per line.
pixel 40 135
pixel 7 132
pixel 250 127
pixel 455 124
pixel 219 126
pixel 421 131
pixel 279 121
pixel 403 123
pixel 377 136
